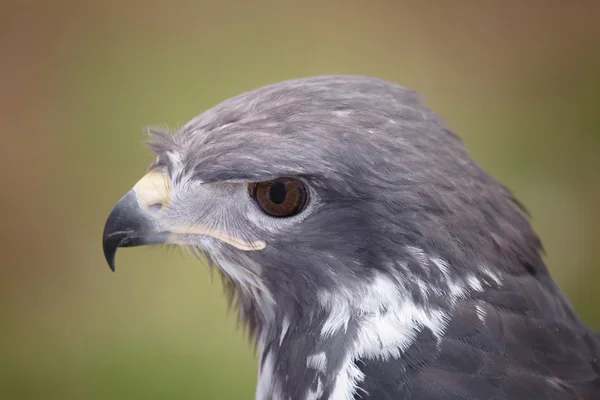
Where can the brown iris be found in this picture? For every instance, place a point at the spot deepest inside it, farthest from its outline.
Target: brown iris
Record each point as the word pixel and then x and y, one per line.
pixel 283 197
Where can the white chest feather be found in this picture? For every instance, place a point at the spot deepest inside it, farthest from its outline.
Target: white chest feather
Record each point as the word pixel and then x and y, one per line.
pixel 388 322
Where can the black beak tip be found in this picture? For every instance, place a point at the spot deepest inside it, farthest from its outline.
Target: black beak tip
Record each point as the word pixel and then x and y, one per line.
pixel 111 262
pixel 110 246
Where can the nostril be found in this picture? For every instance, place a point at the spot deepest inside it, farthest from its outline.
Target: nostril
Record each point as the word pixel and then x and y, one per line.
pixel 155 207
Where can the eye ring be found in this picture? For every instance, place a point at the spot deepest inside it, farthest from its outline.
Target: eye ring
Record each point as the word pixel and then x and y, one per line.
pixel 281 197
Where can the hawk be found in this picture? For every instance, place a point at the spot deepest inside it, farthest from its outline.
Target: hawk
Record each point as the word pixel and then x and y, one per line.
pixel 367 253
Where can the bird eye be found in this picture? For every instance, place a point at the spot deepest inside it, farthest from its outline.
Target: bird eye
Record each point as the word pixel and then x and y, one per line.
pixel 281 197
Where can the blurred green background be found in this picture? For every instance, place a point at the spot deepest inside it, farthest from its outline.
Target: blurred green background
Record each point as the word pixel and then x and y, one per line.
pixel 79 80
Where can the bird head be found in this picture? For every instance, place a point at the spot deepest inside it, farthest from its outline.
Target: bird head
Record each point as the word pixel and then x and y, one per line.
pixel 326 199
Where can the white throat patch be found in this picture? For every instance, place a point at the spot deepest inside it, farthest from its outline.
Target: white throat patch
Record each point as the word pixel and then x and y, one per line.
pixel 388 319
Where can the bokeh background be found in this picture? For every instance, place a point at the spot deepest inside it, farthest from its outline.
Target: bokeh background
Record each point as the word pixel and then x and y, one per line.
pixel 79 80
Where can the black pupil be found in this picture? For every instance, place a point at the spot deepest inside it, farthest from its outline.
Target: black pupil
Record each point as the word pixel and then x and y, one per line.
pixel 277 192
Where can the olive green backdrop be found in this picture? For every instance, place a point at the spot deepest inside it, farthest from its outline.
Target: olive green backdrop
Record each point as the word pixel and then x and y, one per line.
pixel 79 80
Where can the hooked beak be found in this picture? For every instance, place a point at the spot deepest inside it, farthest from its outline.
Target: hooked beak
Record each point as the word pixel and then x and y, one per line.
pixel 133 220
pixel 128 226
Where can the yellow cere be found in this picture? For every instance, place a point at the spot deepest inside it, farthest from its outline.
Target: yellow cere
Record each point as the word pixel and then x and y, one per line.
pixel 152 189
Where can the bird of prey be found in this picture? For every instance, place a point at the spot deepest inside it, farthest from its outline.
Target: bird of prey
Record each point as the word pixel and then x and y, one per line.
pixel 367 253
